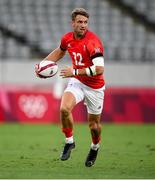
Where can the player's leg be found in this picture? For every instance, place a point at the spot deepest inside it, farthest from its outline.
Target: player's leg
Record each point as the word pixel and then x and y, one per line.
pixel 94 102
pixel 95 129
pixel 67 103
pixel 72 95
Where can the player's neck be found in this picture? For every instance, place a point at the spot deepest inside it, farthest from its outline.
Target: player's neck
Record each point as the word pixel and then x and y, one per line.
pixel 78 36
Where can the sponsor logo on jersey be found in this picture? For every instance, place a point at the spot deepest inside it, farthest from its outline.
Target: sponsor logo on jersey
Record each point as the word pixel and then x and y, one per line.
pixel 97 50
pixel 69 45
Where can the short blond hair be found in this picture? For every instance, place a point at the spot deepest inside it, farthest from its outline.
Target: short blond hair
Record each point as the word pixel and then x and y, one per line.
pixel 79 11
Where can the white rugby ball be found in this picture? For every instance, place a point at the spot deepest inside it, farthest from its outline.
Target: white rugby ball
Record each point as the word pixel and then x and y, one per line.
pixel 47 68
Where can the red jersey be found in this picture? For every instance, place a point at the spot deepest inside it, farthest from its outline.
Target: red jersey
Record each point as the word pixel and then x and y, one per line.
pixel 82 51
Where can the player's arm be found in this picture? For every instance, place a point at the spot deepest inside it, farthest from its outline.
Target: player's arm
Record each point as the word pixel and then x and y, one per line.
pixel 96 69
pixel 56 55
pixel 59 52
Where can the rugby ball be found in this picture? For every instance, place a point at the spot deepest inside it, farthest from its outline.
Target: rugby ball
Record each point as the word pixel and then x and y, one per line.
pixel 47 68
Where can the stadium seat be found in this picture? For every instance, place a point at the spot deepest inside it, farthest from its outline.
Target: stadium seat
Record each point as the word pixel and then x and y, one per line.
pixel 44 22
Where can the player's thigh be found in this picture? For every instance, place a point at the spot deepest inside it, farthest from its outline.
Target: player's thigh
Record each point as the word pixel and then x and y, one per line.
pixel 94 101
pixel 68 101
pixel 74 87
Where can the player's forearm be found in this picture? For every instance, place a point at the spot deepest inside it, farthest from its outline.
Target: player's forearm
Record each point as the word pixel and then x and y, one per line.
pixel 96 70
pixel 70 72
pixel 55 55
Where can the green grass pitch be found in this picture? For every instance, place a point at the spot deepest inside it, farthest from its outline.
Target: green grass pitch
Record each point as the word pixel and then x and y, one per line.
pixel 32 151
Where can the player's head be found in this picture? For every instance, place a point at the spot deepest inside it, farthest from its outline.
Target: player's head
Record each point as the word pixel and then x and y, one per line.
pixel 79 21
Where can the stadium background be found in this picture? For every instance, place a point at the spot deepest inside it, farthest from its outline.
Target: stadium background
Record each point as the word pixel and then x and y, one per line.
pixel 29 30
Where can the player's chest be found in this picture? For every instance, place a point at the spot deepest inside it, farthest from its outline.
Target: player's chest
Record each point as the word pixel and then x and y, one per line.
pixel 79 53
pixel 77 47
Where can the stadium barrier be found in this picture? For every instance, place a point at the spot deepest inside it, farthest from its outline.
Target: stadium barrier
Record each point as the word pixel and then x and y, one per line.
pixel 1 114
pixel 129 105
pixel 40 105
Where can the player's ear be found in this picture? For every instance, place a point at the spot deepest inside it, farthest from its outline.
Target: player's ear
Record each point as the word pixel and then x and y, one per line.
pixel 72 24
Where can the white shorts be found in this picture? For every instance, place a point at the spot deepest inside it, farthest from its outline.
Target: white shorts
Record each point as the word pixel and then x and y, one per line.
pixel 93 98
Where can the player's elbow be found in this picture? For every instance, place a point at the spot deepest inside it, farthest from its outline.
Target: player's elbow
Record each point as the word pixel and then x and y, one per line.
pixel 55 55
pixel 99 70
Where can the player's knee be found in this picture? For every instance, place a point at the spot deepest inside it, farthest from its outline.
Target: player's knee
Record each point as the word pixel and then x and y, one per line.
pixel 65 111
pixel 92 125
pixel 95 126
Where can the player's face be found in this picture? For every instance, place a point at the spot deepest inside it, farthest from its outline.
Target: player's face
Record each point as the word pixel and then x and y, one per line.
pixel 80 25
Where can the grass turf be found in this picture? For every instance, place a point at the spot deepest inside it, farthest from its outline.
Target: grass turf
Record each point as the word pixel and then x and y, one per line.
pixel 32 151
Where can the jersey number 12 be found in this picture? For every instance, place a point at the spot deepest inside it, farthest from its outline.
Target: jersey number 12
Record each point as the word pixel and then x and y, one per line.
pixel 78 59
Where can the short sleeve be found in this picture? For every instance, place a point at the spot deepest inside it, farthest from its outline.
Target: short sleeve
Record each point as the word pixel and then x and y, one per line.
pixel 63 44
pixel 95 48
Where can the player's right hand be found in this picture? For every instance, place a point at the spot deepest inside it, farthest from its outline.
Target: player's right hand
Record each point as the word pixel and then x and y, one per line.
pixel 37 73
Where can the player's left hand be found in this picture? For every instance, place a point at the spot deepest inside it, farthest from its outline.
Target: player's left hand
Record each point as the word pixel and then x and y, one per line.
pixel 66 72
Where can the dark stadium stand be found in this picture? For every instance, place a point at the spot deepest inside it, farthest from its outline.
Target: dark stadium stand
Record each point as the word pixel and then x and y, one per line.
pixel 143 6
pixel 42 22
